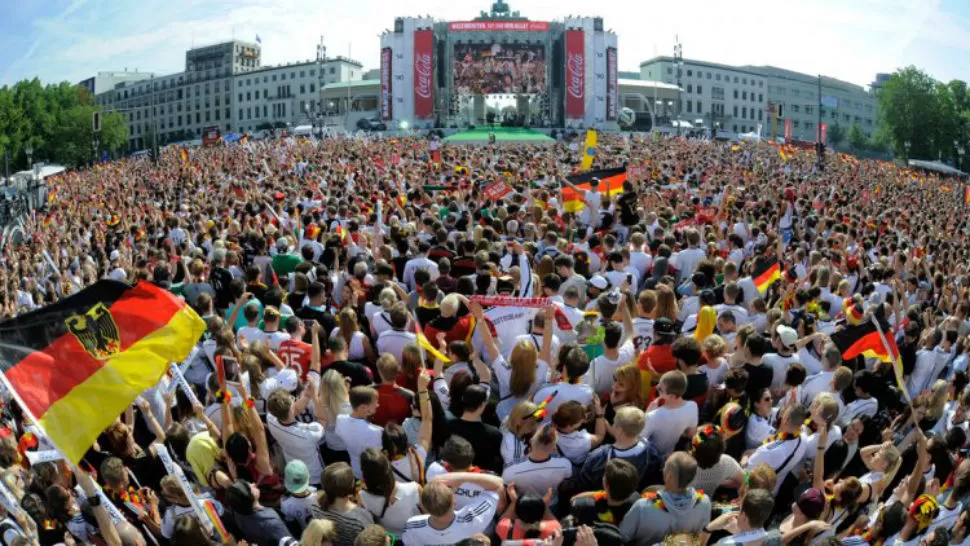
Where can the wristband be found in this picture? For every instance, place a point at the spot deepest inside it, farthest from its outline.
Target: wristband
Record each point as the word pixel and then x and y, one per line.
pixel 250 402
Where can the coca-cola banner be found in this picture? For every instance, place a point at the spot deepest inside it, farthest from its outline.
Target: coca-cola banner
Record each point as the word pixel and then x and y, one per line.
pixel 525 26
pixel 612 87
pixel 575 74
pixel 386 77
pixel 423 74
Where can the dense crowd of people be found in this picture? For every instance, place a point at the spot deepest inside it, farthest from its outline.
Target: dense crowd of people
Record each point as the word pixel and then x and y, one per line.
pixel 408 361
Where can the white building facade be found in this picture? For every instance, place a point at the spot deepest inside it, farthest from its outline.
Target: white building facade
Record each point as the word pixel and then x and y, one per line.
pixel 733 98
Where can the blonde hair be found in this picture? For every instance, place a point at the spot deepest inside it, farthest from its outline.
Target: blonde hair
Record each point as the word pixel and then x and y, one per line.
pixel 337 395
pixel 630 420
pixel 714 346
pixel 630 377
pixel 523 362
pixel 520 417
pixel 937 398
pixel 318 532
pixel 828 405
pixel 348 324
pixel 437 499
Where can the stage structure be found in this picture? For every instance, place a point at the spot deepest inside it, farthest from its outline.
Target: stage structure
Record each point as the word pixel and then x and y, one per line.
pixel 499 69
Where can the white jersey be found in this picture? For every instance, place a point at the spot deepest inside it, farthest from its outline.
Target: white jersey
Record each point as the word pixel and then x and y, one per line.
pixel 642 334
pixel 466 494
pixel 509 322
pixel 299 442
pixel 358 434
pixel 468 521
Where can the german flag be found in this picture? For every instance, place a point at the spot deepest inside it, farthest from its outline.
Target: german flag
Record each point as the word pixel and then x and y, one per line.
pixel 611 183
pixel 966 195
pixel 766 275
pixel 864 340
pixel 74 366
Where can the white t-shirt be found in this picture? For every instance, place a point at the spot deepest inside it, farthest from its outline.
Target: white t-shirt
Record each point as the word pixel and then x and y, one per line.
pixel 601 369
pixel 466 494
pixel 575 445
pixel 779 364
pixel 299 509
pixel 642 334
pixel 468 521
pixel 781 456
pixel 393 342
pixel 503 375
pixel 402 467
pixel 358 434
pixel 716 374
pixel 251 334
pixel 665 426
pixel 299 442
pixel 404 506
pixel 512 449
pixel 565 392
pixel 537 478
pixel 273 339
pixel 708 479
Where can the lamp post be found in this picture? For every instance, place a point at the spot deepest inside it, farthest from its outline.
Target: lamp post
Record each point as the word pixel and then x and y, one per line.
pixel 30 181
pixel 679 62
pixel 960 152
pixel 907 145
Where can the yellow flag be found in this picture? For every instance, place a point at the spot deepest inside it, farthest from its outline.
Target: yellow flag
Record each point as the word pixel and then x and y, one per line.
pixel 427 346
pixel 590 150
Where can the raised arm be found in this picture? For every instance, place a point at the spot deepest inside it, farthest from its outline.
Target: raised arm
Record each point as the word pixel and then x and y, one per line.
pixel 491 347
pixel 545 353
pixel 427 415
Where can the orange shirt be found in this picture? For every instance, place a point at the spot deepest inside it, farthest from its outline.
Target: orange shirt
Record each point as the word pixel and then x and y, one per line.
pixel 296 353
pixel 663 361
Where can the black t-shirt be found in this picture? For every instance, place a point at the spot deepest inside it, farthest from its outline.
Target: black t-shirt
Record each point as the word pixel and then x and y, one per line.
pixel 628 209
pixel 587 510
pixel 221 278
pixel 696 386
pixel 326 320
pixel 759 377
pixel 356 372
pixel 485 439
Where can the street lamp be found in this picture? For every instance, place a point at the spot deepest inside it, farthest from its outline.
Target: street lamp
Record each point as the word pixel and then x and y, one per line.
pixel 907 145
pixel 679 62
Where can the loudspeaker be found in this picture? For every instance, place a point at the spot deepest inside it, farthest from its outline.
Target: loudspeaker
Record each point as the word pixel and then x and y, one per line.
pixel 557 60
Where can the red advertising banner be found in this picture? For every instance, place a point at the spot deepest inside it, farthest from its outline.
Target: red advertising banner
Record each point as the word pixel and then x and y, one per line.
pixel 612 85
pixel 520 26
pixel 575 74
pixel 423 74
pixel 497 191
pixel 825 131
pixel 788 130
pixel 386 78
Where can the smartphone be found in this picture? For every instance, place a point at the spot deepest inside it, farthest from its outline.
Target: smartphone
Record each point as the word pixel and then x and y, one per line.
pixel 629 278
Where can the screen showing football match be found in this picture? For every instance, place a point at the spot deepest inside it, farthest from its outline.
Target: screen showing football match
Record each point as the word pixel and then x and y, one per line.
pixel 489 69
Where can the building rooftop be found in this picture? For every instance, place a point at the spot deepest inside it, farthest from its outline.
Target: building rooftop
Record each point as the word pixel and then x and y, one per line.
pixel 666 58
pixel 645 83
pixel 298 64
pixel 776 72
pixel 355 83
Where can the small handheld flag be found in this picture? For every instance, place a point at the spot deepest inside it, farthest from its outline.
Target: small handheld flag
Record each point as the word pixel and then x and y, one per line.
pixel 766 275
pixel 589 151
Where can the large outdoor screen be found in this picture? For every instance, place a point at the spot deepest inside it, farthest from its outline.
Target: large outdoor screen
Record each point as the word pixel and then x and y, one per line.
pixel 489 69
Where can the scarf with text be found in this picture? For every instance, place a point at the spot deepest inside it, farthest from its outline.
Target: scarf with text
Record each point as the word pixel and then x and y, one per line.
pixel 530 303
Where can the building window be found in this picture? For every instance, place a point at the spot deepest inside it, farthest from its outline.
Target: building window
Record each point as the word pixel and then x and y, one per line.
pixel 718 77
pixel 302 89
pixel 700 107
pixel 700 90
pixel 264 111
pixel 690 107
pixel 302 73
pixel 760 112
pixel 217 114
pixel 744 95
pixel 670 70
pixel 334 70
pixel 240 113
pixel 690 88
pixel 274 78
pixel 265 93
pixel 690 74
pixel 744 81
pixel 708 75
pixel 313 72
pixel 249 96
pixel 809 125
pixel 735 94
pixel 734 127
pixel 735 113
pixel 207 116
pixel 761 97
pixel 249 113
pixel 227 113
pixel 198 117
pixel 761 84
pixel 292 75
pixel 744 112
pixel 283 76
pixel 796 124
pixel 313 88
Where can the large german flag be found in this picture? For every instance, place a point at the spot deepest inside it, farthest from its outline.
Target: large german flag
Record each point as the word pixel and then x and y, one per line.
pixel 77 364
pixel 611 183
pixel 765 275
pixel 864 339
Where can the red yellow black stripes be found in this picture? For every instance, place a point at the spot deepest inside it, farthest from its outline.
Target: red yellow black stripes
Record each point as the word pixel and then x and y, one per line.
pixel 610 183
pixel 766 275
pixel 76 364
pixel 864 340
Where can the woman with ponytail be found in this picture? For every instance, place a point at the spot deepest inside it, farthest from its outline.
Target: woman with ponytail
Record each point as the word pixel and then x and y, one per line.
pixel 390 502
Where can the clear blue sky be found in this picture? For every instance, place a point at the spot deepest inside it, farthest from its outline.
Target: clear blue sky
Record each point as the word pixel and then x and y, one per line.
pixel 848 39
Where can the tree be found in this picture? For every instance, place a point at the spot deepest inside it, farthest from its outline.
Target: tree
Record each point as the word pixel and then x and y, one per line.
pixel 856 138
pixel 909 109
pixel 836 134
pixel 114 132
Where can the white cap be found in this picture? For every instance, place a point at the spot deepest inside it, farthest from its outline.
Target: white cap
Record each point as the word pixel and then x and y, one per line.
pixel 118 275
pixel 115 255
pixel 599 281
pixel 787 335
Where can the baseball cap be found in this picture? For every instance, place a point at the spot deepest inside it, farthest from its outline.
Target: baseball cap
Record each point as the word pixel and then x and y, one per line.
pixel 787 335
pixel 115 255
pixel 811 503
pixel 663 326
pixel 296 477
pixel 600 282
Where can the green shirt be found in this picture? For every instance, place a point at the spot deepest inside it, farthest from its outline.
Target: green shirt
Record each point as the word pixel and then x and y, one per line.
pixel 284 264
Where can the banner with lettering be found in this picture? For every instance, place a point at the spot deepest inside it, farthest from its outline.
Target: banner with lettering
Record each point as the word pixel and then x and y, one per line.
pixel 612 85
pixel 386 77
pixel 423 74
pixel 575 74
pixel 497 191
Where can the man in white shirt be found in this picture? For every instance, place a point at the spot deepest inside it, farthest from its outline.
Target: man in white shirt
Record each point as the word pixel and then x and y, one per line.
pixel 783 339
pixel 418 262
pixel 442 524
pixel 732 295
pixel 299 441
pixel 786 449
pixel 667 423
pixel 688 259
pixel 355 430
pixel 639 259
pixel 822 381
pixel 393 341
pixel 575 364
pixel 540 471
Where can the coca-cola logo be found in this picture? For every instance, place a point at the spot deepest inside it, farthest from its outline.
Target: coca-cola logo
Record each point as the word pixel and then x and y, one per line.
pixel 422 70
pixel 575 66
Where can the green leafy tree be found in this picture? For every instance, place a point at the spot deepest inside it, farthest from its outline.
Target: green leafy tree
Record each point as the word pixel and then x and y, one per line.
pixel 836 134
pixel 856 137
pixel 909 110
pixel 114 132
